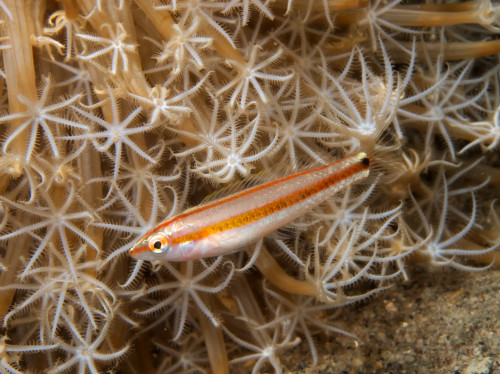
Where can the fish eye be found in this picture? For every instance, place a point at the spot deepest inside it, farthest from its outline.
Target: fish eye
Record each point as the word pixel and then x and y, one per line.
pixel 158 243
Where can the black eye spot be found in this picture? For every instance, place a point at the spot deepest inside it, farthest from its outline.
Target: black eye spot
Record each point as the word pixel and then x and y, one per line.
pixel 157 245
pixel 366 161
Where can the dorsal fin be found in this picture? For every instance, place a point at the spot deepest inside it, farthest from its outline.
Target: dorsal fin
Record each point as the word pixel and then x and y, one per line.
pixel 233 188
pixel 266 174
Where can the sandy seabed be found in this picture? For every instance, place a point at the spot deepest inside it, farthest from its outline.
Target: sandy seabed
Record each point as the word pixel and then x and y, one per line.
pixel 440 321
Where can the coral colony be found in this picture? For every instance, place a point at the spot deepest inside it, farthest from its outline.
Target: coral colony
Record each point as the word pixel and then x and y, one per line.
pixel 118 114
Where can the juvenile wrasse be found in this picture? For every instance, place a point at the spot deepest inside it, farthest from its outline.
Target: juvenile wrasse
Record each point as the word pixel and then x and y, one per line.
pixel 230 223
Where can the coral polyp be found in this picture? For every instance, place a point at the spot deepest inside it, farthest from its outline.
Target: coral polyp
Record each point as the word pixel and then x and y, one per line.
pixel 116 115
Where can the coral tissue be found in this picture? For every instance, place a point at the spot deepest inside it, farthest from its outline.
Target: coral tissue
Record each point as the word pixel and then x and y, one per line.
pixel 118 114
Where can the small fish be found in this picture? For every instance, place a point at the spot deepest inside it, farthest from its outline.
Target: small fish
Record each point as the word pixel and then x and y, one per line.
pixel 228 224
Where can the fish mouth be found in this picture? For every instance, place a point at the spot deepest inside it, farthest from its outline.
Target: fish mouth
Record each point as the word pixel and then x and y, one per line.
pixel 139 249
